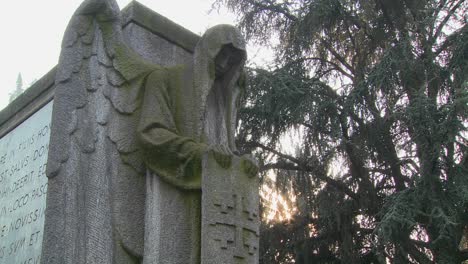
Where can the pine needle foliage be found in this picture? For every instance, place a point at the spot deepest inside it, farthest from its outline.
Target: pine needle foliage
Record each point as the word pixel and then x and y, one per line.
pixel 377 92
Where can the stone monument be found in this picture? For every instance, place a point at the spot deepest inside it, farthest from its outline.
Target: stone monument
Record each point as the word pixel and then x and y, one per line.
pixel 23 187
pixel 142 164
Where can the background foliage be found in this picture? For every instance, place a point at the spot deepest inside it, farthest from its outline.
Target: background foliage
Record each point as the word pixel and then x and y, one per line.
pixel 375 92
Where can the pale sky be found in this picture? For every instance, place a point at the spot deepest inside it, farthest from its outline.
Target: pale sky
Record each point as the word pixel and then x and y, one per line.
pixel 32 32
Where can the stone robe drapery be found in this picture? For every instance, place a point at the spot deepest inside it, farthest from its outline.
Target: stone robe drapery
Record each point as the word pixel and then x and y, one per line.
pixel 174 133
pixel 118 195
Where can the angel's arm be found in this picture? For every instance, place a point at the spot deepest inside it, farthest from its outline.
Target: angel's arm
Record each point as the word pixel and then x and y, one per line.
pixel 175 158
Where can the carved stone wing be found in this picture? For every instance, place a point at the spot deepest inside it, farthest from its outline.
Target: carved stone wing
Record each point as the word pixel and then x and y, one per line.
pixel 95 63
pixel 96 175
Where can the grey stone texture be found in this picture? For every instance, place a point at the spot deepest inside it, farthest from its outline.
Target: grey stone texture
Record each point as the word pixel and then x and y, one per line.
pixel 230 217
pixel 142 144
pixel 26 104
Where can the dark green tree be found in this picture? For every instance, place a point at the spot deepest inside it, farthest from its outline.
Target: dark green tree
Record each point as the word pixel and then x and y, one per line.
pixel 376 91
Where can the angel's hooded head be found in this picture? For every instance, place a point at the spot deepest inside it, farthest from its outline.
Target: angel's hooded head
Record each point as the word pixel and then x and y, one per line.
pixel 219 59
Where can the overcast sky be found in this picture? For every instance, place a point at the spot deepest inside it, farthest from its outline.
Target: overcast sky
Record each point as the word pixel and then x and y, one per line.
pixel 32 32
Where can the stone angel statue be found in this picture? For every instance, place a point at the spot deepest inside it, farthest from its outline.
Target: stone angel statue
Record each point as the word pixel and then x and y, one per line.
pixel 142 163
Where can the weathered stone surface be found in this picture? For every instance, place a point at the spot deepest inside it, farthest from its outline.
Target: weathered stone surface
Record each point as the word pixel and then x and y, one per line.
pixel 96 195
pixel 230 217
pixel 133 116
pixel 23 188
pixel 188 110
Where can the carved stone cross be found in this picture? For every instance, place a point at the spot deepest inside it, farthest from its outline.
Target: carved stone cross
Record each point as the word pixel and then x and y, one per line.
pixel 230 219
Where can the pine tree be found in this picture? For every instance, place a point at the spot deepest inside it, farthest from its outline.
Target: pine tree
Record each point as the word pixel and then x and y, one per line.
pixel 19 88
pixel 377 92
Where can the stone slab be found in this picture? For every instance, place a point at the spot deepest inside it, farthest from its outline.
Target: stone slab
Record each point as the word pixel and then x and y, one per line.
pixel 230 214
pixel 23 188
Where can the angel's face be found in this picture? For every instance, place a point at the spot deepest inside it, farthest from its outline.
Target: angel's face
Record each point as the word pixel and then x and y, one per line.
pixel 228 58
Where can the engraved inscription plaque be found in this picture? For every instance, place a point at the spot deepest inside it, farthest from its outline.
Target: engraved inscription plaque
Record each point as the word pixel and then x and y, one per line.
pixel 23 188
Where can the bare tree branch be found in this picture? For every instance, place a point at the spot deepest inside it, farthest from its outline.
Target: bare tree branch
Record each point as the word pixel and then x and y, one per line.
pixel 273 8
pixel 444 21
